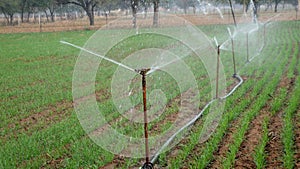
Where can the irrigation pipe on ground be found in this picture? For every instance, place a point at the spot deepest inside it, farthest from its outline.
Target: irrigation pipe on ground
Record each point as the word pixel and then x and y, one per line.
pixel 155 157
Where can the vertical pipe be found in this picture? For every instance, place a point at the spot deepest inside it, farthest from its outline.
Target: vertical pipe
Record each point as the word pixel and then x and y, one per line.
pixel 145 117
pixel 217 78
pixel 232 13
pixel 264 34
pixel 247 44
pixel 40 22
pixel 143 72
pixel 39 19
pixel 233 58
pixel 106 19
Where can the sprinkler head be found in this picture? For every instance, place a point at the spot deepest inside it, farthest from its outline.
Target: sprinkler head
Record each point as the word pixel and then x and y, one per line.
pixel 143 71
pixel 234 75
pixel 218 47
pixel 148 165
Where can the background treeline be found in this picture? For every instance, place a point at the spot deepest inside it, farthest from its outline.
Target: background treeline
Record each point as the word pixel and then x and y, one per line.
pixel 26 9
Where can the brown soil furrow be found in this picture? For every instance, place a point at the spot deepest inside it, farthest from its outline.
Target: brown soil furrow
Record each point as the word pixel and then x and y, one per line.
pixel 50 115
pixel 274 147
pixel 227 139
pixel 185 140
pixel 40 120
pixel 253 136
pixel 118 160
pixel 244 158
pixel 157 129
pixel 297 139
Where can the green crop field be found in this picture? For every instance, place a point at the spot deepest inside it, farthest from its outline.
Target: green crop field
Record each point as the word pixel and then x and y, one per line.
pixel 260 126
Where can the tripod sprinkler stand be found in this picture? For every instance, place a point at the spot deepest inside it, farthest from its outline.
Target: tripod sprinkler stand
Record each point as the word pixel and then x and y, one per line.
pixel 247 45
pixel 233 58
pixel 218 67
pixel 147 164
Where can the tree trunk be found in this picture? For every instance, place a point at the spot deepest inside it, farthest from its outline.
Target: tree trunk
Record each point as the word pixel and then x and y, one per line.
pixel 11 19
pixel 90 14
pixel 22 15
pixel 52 17
pixel 51 11
pixel 24 2
pixel 28 16
pixel 276 5
pixel 255 11
pixel 194 9
pixel 156 10
pixel 6 17
pixel 134 5
pixel 46 15
pixel 146 11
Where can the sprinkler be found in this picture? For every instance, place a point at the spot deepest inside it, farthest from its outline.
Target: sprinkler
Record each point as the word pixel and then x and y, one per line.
pixel 143 72
pixel 106 18
pixel 265 34
pixel 247 45
pixel 232 13
pixel 233 57
pixel 218 67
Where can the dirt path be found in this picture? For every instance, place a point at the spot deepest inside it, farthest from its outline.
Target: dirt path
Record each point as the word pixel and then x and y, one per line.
pixel 228 139
pixel 274 147
pixel 297 139
pixel 50 115
pixel 196 19
pixel 253 136
pixel 244 158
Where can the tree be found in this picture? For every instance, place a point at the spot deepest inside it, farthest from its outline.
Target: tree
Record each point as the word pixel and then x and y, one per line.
pixel 9 8
pixel 276 5
pixel 22 9
pixel 247 4
pixel 88 5
pixel 134 8
pixel 185 4
pixel 146 4
pixel 31 7
pixel 155 10
pixel 48 5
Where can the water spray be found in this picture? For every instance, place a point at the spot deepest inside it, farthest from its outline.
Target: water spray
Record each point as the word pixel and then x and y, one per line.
pixel 233 57
pixel 143 72
pixel 103 57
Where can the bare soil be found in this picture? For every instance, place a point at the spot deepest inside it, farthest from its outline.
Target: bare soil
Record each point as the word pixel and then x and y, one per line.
pixel 227 138
pixel 297 139
pixel 196 19
pixel 274 148
pixel 244 158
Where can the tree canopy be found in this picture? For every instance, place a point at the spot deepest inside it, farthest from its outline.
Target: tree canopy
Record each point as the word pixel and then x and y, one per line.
pixel 49 7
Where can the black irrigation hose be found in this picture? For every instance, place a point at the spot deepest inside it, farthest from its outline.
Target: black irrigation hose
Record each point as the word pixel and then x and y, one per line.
pixel 155 157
